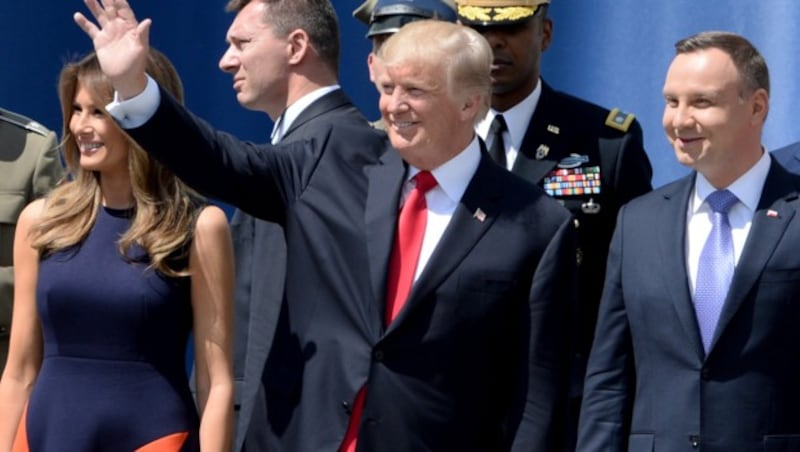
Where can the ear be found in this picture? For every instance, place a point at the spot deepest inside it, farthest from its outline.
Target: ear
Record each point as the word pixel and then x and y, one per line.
pixel 299 44
pixel 370 61
pixel 760 105
pixel 547 33
pixel 470 106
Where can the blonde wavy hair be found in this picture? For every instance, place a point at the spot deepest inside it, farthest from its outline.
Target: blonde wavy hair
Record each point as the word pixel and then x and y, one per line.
pixel 165 209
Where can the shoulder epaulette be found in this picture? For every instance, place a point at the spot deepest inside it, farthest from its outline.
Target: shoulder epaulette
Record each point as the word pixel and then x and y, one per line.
pixel 22 121
pixel 619 120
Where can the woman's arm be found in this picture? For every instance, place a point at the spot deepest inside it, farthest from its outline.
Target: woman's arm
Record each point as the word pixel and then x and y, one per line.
pixel 25 351
pixel 211 267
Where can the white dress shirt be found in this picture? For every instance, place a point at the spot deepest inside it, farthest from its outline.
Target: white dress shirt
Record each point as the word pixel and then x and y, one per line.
pixel 452 179
pixel 747 189
pixel 517 120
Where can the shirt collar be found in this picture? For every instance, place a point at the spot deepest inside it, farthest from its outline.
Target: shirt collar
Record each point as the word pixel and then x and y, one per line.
pixel 517 117
pixel 454 175
pixel 747 188
pixel 285 120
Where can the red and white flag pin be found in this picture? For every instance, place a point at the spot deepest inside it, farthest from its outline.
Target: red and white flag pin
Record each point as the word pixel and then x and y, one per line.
pixel 479 215
pixel 772 213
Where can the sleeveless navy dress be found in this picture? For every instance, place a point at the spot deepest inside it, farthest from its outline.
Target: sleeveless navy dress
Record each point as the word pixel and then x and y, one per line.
pixel 113 376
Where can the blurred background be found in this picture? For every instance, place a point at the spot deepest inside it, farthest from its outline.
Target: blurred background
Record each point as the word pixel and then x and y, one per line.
pixel 614 53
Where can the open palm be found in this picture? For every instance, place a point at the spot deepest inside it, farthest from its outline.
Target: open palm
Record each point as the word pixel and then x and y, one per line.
pixel 120 41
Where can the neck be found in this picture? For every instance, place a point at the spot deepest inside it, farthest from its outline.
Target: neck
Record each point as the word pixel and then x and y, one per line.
pixel 307 81
pixel 117 192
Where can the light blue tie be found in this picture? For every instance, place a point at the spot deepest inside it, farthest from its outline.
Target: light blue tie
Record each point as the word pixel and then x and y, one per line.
pixel 716 265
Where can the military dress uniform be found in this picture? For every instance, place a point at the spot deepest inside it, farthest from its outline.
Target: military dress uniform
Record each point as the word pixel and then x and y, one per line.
pixel 29 167
pixel 593 161
pixel 590 159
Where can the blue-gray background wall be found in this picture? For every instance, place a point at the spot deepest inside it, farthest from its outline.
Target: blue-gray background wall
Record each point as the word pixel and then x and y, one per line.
pixel 614 53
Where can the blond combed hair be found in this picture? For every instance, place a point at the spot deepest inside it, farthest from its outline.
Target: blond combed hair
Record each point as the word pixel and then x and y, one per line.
pixel 165 209
pixel 462 52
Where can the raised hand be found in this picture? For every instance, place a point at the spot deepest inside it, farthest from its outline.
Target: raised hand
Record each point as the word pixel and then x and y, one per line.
pixel 121 43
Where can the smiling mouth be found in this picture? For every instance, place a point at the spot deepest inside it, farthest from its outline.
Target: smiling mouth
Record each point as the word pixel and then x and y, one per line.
pixel 402 124
pixel 88 148
pixel 686 140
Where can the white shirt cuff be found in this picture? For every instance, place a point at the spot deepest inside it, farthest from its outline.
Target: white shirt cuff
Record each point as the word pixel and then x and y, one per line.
pixel 133 112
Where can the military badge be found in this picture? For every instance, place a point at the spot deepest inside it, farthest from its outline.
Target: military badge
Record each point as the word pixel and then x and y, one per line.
pixel 542 151
pixel 573 182
pixel 573 161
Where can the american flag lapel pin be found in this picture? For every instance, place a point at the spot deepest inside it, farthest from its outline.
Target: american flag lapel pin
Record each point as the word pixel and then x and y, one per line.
pixel 772 213
pixel 479 215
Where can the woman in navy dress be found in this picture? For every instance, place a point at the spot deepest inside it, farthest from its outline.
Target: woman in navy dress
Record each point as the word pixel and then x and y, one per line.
pixel 112 272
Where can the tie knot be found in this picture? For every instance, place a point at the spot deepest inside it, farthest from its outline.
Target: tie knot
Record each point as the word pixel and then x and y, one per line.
pixel 425 181
pixel 721 201
pixel 498 124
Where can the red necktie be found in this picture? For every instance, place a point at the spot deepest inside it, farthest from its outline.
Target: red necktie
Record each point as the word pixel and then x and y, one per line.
pixel 402 267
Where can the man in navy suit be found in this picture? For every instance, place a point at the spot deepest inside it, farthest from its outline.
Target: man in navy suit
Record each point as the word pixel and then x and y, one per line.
pixel 284 59
pixel 474 356
pixel 696 343
pixel 789 157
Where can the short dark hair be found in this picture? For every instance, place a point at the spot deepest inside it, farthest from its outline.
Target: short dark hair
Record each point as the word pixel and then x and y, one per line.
pixel 316 17
pixel 746 58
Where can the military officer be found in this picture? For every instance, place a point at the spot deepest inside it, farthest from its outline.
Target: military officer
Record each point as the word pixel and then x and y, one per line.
pixel 589 158
pixel 29 167
pixel 385 17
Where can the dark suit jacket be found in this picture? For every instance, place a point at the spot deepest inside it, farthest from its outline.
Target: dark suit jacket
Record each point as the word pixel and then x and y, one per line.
pixel 566 125
pixel 650 386
pixel 260 251
pixel 789 157
pixel 474 361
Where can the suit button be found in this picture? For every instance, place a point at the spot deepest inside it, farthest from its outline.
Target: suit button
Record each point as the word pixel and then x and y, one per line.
pixel 694 440
pixel 346 407
pixel 705 373
pixel 377 355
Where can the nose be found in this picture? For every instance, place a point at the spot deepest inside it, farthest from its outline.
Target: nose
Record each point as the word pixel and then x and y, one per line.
pixel 229 61
pixel 396 102
pixel 82 124
pixel 681 116
pixel 493 37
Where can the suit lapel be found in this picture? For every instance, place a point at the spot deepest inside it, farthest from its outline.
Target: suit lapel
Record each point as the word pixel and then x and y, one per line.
pixel 383 198
pixel 461 235
pixel 330 101
pixel 777 199
pixel 671 224
pixel 543 134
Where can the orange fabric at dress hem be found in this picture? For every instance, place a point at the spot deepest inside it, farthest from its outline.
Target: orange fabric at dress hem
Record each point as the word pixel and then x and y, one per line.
pixel 21 440
pixel 170 443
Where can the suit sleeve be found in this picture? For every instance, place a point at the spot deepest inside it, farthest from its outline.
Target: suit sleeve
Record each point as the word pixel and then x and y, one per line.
pixel 259 179
pixel 542 395
pixel 608 389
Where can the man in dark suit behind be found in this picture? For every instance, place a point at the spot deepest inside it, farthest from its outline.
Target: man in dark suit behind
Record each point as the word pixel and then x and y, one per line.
pixel 590 159
pixel 696 343
pixel 298 89
pixel 471 355
pixel 789 157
